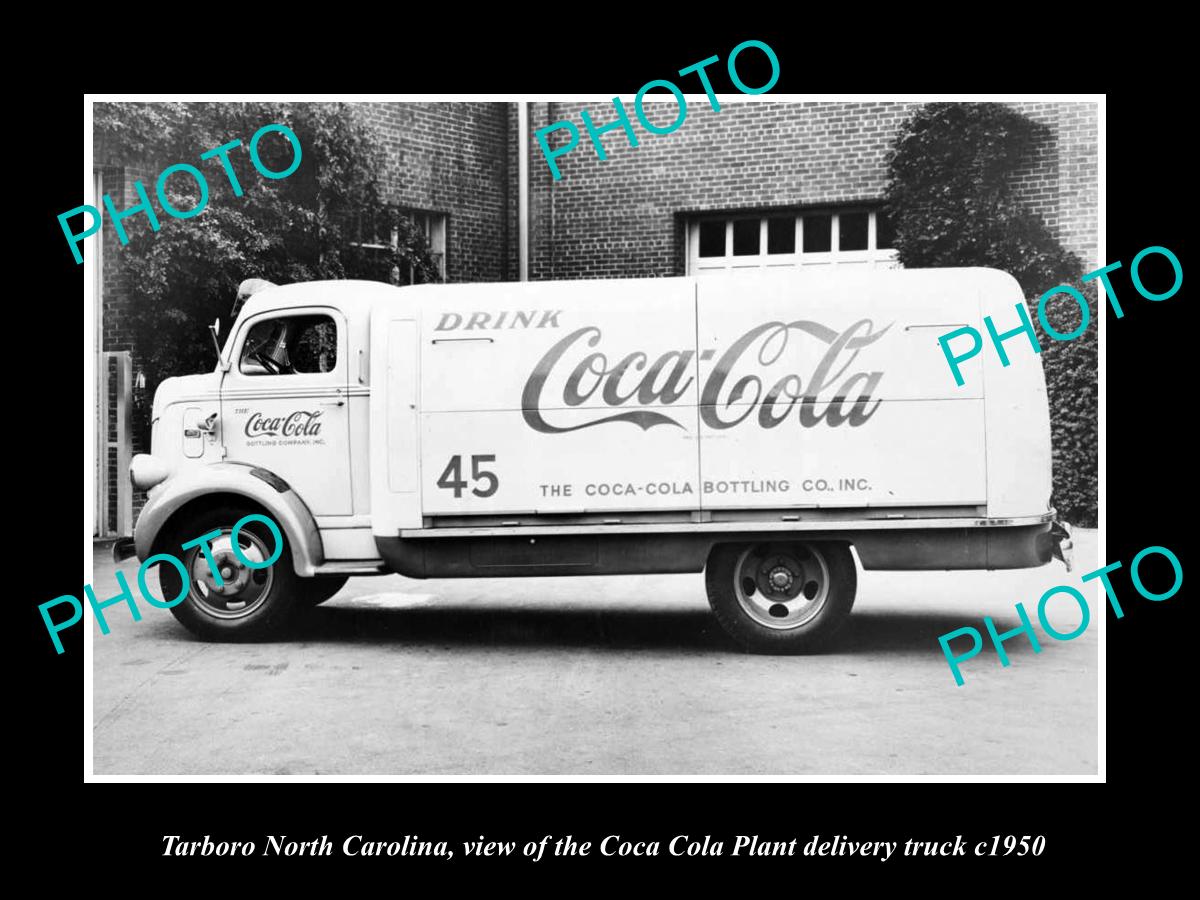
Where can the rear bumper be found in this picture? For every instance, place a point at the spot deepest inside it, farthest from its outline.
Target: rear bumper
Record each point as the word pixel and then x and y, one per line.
pixel 1005 547
pixel 1062 547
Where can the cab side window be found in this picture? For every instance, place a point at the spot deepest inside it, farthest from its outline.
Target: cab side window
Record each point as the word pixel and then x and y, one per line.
pixel 290 345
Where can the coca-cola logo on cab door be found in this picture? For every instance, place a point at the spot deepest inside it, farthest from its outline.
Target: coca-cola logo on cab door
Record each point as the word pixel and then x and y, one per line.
pixel 300 423
pixel 733 391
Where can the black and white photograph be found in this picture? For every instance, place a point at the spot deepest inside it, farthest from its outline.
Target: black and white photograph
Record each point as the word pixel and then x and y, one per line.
pixel 674 435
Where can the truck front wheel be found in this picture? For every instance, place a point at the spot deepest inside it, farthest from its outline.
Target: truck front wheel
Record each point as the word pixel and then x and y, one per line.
pixel 781 597
pixel 244 603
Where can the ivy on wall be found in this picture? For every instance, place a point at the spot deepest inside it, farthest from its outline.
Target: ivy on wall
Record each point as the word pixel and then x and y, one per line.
pixel 952 199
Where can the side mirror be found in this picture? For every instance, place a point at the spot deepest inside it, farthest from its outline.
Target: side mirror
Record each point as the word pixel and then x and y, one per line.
pixel 214 329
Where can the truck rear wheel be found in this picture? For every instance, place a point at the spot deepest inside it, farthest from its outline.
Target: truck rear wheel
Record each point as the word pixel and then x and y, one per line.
pixel 250 604
pixel 781 597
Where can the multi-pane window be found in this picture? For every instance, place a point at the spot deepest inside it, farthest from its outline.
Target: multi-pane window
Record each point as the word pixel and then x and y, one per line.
pixel 839 237
pixel 431 224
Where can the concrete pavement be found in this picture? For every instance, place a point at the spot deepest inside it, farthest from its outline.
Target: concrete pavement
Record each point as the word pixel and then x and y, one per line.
pixel 621 675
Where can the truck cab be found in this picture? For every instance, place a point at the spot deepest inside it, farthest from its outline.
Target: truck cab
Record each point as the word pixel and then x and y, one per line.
pixel 756 427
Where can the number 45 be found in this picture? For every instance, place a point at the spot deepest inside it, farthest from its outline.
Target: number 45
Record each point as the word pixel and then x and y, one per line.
pixel 452 479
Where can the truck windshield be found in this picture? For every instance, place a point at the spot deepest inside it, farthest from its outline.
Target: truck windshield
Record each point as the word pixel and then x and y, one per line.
pixel 290 345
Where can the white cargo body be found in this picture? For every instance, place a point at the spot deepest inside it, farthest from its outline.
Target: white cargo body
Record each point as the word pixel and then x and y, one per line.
pixel 753 425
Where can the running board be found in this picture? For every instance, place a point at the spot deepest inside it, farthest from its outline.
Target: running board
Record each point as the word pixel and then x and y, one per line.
pixel 353 567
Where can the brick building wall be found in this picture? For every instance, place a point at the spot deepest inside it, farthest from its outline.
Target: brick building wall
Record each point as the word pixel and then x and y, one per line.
pixel 453 159
pixel 1062 183
pixel 626 216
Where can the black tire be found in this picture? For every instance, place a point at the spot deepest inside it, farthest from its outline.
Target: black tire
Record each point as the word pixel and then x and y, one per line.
pixel 276 590
pixel 317 590
pixel 762 614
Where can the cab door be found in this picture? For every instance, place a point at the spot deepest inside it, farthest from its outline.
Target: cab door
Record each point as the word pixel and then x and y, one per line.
pixel 284 403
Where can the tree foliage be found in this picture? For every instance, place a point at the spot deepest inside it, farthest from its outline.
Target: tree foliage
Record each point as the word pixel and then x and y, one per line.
pixel 952 199
pixel 303 227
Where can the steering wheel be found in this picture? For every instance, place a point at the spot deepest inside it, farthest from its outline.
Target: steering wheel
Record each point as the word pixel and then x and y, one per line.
pixel 272 367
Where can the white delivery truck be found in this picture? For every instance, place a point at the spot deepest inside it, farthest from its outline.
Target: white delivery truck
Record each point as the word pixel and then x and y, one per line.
pixel 758 427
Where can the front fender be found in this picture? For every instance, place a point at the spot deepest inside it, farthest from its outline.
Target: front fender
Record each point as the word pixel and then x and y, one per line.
pixel 237 480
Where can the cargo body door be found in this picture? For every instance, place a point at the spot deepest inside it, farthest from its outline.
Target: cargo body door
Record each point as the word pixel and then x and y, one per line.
pixel 284 403
pixel 574 398
pixel 395 440
pixel 826 390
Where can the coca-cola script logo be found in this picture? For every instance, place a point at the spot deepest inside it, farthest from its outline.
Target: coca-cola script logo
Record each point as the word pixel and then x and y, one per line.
pixel 727 398
pixel 300 423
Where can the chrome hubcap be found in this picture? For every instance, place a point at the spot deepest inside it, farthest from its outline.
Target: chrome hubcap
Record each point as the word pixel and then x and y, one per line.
pixel 242 589
pixel 781 587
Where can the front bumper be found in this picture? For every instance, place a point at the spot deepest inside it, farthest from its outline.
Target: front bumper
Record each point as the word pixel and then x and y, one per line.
pixel 123 548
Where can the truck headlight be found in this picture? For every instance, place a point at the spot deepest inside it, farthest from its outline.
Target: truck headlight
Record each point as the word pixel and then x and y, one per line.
pixel 145 471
